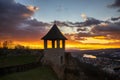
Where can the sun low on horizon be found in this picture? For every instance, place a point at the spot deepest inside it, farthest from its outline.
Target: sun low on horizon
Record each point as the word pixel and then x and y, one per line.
pixel 87 24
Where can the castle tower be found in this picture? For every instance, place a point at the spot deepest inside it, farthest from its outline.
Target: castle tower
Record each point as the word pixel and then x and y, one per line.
pixel 55 56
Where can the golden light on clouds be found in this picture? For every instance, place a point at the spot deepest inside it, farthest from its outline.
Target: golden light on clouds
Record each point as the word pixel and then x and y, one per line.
pixel 70 44
pixel 88 46
pixel 84 16
pixel 26 15
pixel 32 8
pixel 104 24
pixel 99 37
pixel 94 40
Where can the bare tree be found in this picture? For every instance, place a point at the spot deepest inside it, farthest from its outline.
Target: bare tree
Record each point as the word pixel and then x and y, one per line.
pixel 7 44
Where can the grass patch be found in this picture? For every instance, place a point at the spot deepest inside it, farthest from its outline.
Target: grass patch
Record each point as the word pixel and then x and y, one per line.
pixel 17 60
pixel 41 73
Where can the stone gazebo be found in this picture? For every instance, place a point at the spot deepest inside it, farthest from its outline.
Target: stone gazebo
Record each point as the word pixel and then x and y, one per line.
pixel 54 35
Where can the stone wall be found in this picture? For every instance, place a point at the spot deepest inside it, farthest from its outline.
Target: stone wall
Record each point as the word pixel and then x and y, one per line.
pixel 55 58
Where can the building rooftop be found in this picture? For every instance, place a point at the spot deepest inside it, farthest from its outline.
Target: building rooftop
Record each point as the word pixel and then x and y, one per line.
pixel 54 34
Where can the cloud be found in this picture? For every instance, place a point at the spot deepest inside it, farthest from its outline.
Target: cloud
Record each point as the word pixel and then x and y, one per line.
pixel 62 23
pixel 35 23
pixel 115 18
pixel 91 21
pixel 16 22
pixel 116 4
pixel 88 22
pixel 27 30
pixel 84 16
pixel 82 29
pixel 92 28
pixel 78 30
pixel 85 34
pixel 12 14
pixel 32 8
pixel 110 30
pixel 105 27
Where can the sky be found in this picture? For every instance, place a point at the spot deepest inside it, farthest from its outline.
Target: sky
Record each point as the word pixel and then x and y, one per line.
pixel 70 10
pixel 88 24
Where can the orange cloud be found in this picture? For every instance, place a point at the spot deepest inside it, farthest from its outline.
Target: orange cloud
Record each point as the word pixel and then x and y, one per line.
pixel 32 8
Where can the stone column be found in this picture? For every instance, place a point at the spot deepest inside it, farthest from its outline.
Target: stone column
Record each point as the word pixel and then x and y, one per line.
pixel 53 43
pixel 63 44
pixel 45 44
pixel 58 43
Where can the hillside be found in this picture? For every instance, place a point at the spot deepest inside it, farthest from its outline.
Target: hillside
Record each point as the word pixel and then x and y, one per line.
pixel 41 73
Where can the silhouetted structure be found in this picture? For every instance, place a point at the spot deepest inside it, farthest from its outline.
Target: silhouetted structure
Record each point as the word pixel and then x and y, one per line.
pixel 54 35
pixel 55 56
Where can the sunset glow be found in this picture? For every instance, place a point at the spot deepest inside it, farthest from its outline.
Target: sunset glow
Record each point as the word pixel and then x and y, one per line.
pixel 25 22
pixel 69 45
